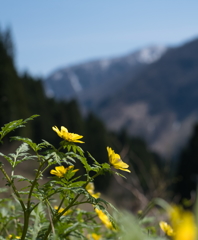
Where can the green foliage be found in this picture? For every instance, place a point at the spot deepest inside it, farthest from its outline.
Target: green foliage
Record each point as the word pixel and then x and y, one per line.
pixel 53 209
pixel 34 203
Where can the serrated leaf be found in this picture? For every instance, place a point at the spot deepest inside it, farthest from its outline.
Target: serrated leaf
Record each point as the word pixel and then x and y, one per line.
pixel 8 127
pixel 72 228
pixel 77 184
pixel 85 163
pixel 105 166
pixel 11 126
pixel 74 148
pixel 31 118
pixel 9 159
pixel 79 150
pixel 21 178
pixel 22 148
pixel 44 144
pixel 26 140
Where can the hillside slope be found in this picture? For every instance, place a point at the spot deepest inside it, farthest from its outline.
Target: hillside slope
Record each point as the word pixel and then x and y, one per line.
pixel 160 103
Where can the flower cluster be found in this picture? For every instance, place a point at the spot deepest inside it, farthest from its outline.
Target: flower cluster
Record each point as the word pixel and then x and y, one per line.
pixel 114 158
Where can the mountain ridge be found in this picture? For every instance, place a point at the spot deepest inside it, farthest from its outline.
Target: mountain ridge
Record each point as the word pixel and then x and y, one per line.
pixel 89 81
pixel 155 100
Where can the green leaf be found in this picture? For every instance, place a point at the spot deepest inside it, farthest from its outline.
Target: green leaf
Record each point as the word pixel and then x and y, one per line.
pixel 21 178
pixel 72 228
pixel 80 151
pixel 85 163
pixel 9 159
pixel 11 126
pixel 26 140
pixel 3 190
pixel 77 184
pixel 31 118
pixel 44 144
pixel 105 166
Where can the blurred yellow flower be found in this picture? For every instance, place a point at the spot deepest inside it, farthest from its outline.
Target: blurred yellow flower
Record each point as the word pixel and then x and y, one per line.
pixel 61 210
pixel 90 189
pixel 186 230
pixel 70 137
pixel 183 223
pixel 104 218
pixel 175 213
pixel 116 161
pixel 10 237
pixel 94 236
pixel 61 170
pixel 167 229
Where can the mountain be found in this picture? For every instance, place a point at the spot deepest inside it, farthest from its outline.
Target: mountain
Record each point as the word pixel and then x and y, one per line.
pixel 153 93
pixel 92 82
pixel 160 103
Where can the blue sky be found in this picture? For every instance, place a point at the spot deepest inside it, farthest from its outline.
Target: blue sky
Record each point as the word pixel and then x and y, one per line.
pixel 53 33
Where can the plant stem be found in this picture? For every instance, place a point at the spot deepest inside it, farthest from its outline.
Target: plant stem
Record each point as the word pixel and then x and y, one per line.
pixel 56 218
pixel 21 202
pixel 13 187
pixel 27 212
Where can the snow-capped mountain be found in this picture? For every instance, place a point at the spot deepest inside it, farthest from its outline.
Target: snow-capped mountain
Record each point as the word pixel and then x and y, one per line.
pixel 90 82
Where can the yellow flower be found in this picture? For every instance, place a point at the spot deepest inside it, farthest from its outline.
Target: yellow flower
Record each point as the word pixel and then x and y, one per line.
pixel 61 210
pixel 183 223
pixel 94 236
pixel 166 228
pixel 10 237
pixel 116 161
pixel 90 190
pixel 186 230
pixel 104 218
pixel 70 137
pixel 61 170
pixel 175 214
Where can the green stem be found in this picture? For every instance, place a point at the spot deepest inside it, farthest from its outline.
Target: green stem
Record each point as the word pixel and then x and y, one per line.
pixel 13 187
pixel 156 201
pixel 21 202
pixel 28 210
pixel 34 182
pixel 56 218
pixel 4 226
pixel 60 204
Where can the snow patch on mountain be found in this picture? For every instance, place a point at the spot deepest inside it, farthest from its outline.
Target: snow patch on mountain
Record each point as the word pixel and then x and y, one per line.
pixel 74 80
pixel 151 54
pixel 57 76
pixel 105 64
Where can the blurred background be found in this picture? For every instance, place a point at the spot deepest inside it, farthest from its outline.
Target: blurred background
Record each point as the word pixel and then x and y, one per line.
pixel 123 74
